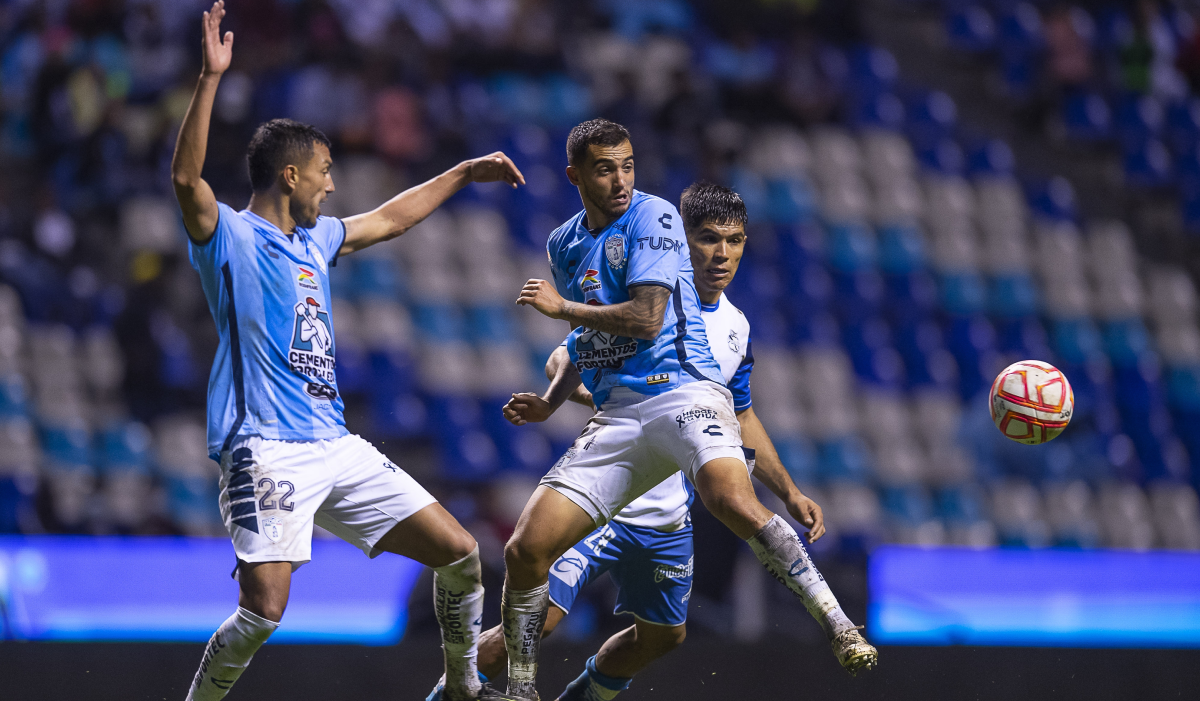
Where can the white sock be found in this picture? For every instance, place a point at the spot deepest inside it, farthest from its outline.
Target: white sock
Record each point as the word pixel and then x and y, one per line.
pixel 779 548
pixel 228 652
pixel 524 614
pixel 458 602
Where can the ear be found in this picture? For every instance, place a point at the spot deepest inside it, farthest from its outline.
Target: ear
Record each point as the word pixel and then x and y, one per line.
pixel 573 175
pixel 290 178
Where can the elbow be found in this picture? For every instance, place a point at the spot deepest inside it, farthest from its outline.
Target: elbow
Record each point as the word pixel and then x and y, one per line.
pixel 183 181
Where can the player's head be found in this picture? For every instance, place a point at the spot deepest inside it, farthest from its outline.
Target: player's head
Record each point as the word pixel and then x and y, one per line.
pixel 295 158
pixel 600 164
pixel 714 218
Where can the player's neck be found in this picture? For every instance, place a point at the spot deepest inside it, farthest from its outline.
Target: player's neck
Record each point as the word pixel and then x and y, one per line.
pixel 596 219
pixel 708 296
pixel 273 207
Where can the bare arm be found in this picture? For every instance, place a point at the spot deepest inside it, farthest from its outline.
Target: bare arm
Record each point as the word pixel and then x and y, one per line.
pixel 525 407
pixel 557 359
pixel 406 210
pixel 196 198
pixel 770 471
pixel 640 317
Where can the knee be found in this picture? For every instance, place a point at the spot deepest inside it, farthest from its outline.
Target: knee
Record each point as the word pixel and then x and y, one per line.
pixel 521 556
pixel 266 606
pixel 461 545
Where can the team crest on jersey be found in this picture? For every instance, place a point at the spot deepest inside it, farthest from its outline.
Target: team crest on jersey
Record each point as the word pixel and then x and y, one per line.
pixel 734 343
pixel 312 342
pixel 595 350
pixel 614 251
pixel 590 281
pixel 307 279
pixel 272 528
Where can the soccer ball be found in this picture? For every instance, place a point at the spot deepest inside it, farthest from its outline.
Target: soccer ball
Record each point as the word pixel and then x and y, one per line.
pixel 1031 402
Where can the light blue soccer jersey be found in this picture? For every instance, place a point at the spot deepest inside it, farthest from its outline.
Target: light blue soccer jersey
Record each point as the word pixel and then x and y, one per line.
pixel 273 375
pixel 645 246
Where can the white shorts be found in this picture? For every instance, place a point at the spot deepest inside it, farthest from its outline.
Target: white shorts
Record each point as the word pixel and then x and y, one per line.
pixel 273 491
pixel 634 442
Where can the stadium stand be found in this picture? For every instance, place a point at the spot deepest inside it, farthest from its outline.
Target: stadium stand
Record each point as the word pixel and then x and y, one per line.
pixel 895 265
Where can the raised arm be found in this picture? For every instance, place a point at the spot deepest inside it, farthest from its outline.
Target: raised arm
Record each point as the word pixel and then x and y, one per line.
pixel 640 317
pixel 196 198
pixel 770 471
pixel 406 210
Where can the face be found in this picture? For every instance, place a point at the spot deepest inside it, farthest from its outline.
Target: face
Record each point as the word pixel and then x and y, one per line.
pixel 311 184
pixel 605 178
pixel 716 253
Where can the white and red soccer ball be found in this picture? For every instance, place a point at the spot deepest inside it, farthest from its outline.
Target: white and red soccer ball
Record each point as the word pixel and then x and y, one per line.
pixel 1031 402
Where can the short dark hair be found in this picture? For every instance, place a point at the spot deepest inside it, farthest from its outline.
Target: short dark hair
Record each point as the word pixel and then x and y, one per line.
pixel 277 144
pixel 594 131
pixel 705 201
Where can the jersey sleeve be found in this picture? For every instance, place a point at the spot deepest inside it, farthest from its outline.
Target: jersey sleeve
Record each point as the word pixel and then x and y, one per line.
pixel 657 246
pixel 557 274
pixel 213 253
pixel 739 386
pixel 329 234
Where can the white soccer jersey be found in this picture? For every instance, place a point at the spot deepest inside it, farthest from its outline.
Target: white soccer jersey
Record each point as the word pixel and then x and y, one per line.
pixel 665 506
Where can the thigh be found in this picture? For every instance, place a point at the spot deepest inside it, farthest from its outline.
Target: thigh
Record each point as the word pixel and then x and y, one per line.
pixel 608 466
pixel 583 563
pixel 693 425
pixel 431 536
pixel 270 493
pixel 654 579
pixel 371 495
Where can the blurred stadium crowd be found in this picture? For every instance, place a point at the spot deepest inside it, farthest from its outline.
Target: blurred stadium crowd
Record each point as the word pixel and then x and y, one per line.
pixel 894 264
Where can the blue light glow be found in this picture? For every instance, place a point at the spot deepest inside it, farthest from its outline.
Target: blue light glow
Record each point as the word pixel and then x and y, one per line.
pixel 180 589
pixel 1050 598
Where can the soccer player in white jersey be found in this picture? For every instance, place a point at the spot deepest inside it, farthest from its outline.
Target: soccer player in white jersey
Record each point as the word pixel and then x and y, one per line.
pixel 274 413
pixel 620 269
pixel 647 547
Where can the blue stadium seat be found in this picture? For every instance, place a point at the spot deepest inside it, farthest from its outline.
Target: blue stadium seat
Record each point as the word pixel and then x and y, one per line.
pixel 910 295
pixel 859 294
pixel 851 247
pixel 14 399
pixel 879 111
pixel 1147 164
pixel 124 446
pixel 790 201
pixel 377 277
pixel 943 156
pixel 442 322
pixel 901 248
pixel 1053 199
pixel 872 69
pixel 1139 118
pixel 909 504
pixel 1086 117
pixel 970 28
pixel 1077 341
pixel 991 157
pixel 1020 29
pixel 845 460
pixel 963 293
pixel 1183 124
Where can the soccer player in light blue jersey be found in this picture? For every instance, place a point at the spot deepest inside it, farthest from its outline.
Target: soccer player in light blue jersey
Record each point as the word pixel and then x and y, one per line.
pixel 623 280
pixel 647 548
pixel 275 420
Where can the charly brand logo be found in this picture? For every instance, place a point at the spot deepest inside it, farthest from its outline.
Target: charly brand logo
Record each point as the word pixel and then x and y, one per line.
pixel 273 528
pixel 696 414
pixel 614 251
pixel 673 571
pixel 307 278
pixel 590 281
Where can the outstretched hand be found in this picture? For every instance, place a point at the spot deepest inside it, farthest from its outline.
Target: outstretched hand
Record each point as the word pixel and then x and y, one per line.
pixel 493 167
pixel 808 513
pixel 527 407
pixel 218 52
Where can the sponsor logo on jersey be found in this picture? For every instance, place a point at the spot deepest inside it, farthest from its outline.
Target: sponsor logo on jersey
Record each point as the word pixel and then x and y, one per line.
pixel 614 251
pixel 658 379
pixel 595 350
pixel 272 528
pixel 590 281
pixel 674 571
pixel 311 354
pixel 696 414
pixel 659 243
pixel 307 279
